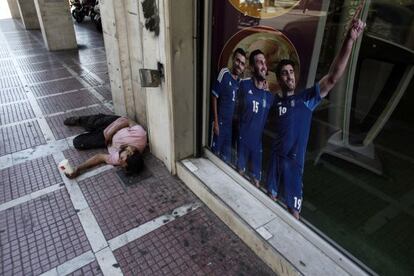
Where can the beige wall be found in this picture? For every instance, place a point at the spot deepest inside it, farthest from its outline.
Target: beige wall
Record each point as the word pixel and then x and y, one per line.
pixel 166 111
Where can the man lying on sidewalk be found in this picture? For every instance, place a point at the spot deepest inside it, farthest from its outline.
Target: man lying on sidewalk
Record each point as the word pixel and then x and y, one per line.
pixel 125 140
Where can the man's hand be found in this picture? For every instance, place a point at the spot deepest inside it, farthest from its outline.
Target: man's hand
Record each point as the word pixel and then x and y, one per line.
pixel 356 27
pixel 74 174
pixel 90 163
pixel 337 68
pixel 108 140
pixel 216 128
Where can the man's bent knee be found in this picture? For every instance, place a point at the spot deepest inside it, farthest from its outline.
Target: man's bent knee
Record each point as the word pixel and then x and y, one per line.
pixel 78 143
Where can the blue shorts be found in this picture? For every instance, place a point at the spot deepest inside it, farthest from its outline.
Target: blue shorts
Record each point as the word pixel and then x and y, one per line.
pixel 284 180
pixel 221 144
pixel 252 153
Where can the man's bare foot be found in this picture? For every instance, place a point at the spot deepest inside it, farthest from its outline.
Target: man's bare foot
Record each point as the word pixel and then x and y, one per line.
pixel 294 213
pixel 73 175
pixel 257 183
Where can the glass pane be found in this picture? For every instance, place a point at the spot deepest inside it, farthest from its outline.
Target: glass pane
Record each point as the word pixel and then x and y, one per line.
pixel 354 154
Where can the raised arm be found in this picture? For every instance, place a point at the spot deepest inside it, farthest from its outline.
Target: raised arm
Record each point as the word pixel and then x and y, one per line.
pixel 90 163
pixel 340 62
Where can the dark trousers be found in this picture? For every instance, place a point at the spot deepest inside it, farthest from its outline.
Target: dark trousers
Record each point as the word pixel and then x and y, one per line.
pixel 94 125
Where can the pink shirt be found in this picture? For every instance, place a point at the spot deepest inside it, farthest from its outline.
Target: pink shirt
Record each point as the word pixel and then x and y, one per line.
pixel 128 136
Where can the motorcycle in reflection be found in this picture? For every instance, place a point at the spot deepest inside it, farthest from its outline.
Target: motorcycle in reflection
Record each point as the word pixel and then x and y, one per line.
pixel 98 22
pixel 82 8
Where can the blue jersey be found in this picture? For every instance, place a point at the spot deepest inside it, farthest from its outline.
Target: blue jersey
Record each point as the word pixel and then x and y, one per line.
pixel 293 120
pixel 225 88
pixel 255 105
pixel 292 126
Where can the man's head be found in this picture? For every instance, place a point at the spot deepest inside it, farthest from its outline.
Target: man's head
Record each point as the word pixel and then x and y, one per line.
pixel 239 62
pixel 285 73
pixel 257 61
pixel 131 159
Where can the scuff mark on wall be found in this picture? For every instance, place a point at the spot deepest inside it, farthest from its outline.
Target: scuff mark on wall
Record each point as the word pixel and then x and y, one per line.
pixel 152 19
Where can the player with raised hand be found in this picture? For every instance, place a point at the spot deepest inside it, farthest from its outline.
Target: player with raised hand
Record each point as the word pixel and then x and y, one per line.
pixel 293 120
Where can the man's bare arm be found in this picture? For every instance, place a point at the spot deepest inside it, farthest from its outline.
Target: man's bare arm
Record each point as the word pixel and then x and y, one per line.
pixel 341 60
pixel 90 163
pixel 117 125
pixel 214 105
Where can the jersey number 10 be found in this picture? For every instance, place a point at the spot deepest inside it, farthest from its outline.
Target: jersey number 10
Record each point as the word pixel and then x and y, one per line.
pixel 282 110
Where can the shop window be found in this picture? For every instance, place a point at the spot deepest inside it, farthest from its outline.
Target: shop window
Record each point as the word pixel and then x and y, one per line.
pixel 358 167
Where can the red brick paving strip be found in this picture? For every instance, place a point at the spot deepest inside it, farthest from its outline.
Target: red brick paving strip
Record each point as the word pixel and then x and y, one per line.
pixel 60 131
pixel 118 208
pixel 30 68
pixel 12 81
pixel 105 91
pixel 90 79
pixel 12 95
pixel 6 71
pixel 76 157
pixel 68 101
pixel 99 67
pixel 195 244
pixel 32 59
pixel 91 269
pixel 19 137
pixel 57 73
pixel 58 86
pixel 25 178
pixel 40 235
pixel 12 113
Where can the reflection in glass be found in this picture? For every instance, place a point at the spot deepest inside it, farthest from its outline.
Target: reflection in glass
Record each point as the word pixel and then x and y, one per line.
pixel 264 8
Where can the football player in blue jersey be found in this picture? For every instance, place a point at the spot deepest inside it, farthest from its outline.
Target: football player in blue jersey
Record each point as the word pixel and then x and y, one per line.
pixel 255 102
pixel 293 120
pixel 223 100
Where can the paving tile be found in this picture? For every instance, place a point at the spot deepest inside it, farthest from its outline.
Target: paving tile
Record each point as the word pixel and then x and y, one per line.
pixel 61 131
pixel 196 244
pixel 10 26
pixel 89 59
pixel 11 81
pixel 15 112
pixel 29 51
pixel 36 67
pixel 40 235
pixel 20 41
pixel 91 269
pixel 90 79
pixel 7 63
pixel 119 208
pixel 47 75
pixel 4 53
pixel 57 86
pixel 104 76
pixel 13 94
pixel 67 101
pixel 35 59
pixel 33 45
pixel 21 136
pixel 105 91
pixel 6 71
pixel 77 157
pixel 78 69
pixel 28 177
pixel 100 67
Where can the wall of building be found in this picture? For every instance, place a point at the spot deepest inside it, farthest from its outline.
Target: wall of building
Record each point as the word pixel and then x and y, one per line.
pixel 141 34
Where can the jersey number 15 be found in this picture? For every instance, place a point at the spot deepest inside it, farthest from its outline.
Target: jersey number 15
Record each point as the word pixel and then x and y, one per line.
pixel 255 106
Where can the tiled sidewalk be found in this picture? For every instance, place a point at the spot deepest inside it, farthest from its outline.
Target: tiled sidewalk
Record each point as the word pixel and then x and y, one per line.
pixel 101 223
